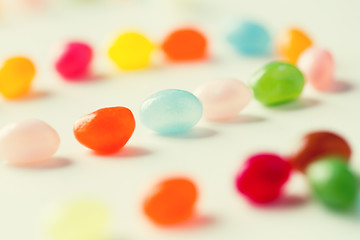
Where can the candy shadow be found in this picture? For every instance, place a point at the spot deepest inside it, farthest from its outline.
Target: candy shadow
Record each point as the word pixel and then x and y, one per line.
pixel 195 133
pixel 193 223
pixel 242 119
pixel 299 104
pixel 290 201
pixel 287 201
pixel 53 163
pixel 127 152
pixel 340 86
pixel 33 95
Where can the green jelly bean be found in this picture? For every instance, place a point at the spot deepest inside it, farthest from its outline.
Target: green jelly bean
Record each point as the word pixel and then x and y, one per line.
pixel 277 83
pixel 332 182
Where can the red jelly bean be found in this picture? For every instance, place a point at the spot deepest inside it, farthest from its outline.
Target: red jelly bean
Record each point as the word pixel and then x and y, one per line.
pixel 171 201
pixel 106 130
pixel 319 144
pixel 262 178
pixel 74 60
pixel 185 44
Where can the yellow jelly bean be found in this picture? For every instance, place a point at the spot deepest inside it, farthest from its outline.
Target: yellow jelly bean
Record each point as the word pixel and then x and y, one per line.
pixel 16 76
pixel 83 219
pixel 131 51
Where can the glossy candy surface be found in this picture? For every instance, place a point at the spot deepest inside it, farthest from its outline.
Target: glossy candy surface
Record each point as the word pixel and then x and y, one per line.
pixel 333 183
pixel 251 38
pixel 262 177
pixel 106 130
pixel 318 66
pixel 16 75
pixel 277 83
pixel 223 99
pixel 185 44
pixel 171 201
pixel 291 43
pixel 73 61
pixel 80 219
pixel 171 111
pixel 27 142
pixel 318 144
pixel 131 51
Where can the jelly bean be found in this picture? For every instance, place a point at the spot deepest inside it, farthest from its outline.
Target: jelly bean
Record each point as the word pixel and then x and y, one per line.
pixel 224 98
pixel 292 43
pixel 74 60
pixel 80 219
pixel 27 142
pixel 251 38
pixel 277 83
pixel 131 51
pixel 262 178
pixel 16 76
pixel 332 182
pixel 318 66
pixel 185 44
pixel 358 206
pixel 171 201
pixel 318 144
pixel 106 130
pixel 171 111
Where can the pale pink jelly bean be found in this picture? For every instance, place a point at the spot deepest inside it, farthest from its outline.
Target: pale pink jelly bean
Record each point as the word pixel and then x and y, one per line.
pixel 318 67
pixel 223 99
pixel 27 142
pixel 74 60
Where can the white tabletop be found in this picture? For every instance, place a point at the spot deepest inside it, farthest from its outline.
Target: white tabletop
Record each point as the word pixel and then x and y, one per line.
pixel 211 153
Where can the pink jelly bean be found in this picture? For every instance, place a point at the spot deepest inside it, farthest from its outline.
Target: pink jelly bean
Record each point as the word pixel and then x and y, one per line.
pixel 318 66
pixel 74 60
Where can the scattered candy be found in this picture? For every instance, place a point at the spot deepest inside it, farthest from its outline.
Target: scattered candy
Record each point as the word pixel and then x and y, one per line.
pixel 318 66
pixel 277 83
pixel 131 51
pixel 224 98
pixel 251 38
pixel 171 201
pixel 106 130
pixel 27 142
pixel 171 111
pixel 292 43
pixel 185 44
pixel 318 144
pixel 16 76
pixel 74 60
pixel 82 219
pixel 262 178
pixel 333 183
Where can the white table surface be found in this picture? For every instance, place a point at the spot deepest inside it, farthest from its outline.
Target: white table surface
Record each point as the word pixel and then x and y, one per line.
pixel 210 154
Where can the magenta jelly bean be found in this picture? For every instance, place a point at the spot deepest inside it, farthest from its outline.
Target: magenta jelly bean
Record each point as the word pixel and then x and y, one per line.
pixel 262 177
pixel 73 62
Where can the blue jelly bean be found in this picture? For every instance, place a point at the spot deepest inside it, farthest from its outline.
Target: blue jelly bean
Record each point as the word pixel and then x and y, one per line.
pixel 251 38
pixel 171 111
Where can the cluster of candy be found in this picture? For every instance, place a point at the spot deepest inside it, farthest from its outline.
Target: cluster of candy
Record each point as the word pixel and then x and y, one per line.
pixel 131 51
pixel 322 157
pixel 173 111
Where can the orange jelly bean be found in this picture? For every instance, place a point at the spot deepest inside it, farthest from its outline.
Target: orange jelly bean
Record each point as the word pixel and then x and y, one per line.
pixel 16 76
pixel 292 43
pixel 185 44
pixel 171 201
pixel 106 130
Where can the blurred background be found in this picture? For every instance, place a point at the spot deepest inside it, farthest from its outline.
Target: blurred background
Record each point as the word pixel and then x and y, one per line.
pixel 35 27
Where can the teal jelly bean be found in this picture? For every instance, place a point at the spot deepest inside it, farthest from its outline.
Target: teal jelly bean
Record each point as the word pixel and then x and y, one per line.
pixel 332 182
pixel 277 83
pixel 171 111
pixel 251 39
